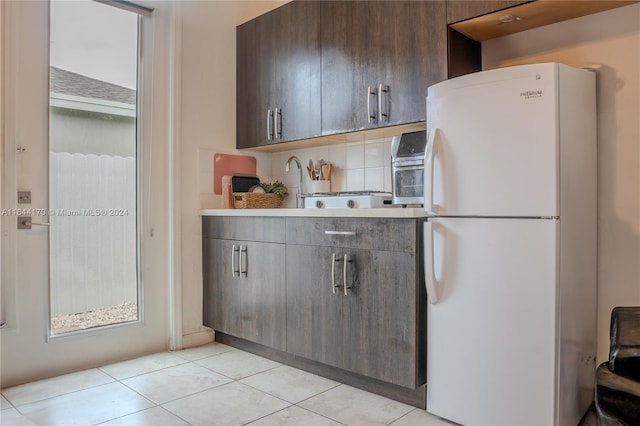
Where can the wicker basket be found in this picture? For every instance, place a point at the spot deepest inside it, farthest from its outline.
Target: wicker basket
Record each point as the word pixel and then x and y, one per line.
pixel 256 200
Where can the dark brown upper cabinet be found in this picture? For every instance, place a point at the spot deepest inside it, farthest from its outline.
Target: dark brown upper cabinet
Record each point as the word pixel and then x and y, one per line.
pixel 460 10
pixel 378 58
pixel 482 20
pixel 465 53
pixel 278 76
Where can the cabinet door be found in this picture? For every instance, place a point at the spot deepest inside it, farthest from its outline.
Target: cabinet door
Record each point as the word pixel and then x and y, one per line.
pixel 262 293
pixel 351 30
pixel 399 44
pixel 459 10
pixel 221 303
pixel 375 329
pixel 314 312
pixel 296 55
pixel 278 72
pixel 412 55
pixel 255 81
pixel 251 306
pixel 382 334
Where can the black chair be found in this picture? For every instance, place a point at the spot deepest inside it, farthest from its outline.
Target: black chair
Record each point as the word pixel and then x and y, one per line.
pixel 617 396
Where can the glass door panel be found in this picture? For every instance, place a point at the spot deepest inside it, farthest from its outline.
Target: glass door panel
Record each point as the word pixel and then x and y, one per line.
pixel 93 244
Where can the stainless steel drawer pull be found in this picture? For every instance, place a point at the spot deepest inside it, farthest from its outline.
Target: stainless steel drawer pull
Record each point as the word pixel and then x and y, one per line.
pixel 348 233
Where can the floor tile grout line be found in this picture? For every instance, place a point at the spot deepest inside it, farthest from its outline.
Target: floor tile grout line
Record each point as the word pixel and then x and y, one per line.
pixel 124 415
pixel 267 415
pixel 59 395
pixel 265 392
pixel 320 393
pixel 315 412
pixel 205 356
pixel 289 407
pixel 140 411
pixel 260 372
pixel 11 405
pixel 22 413
pixel 135 391
pixel 174 414
pixel 176 399
pixel 155 404
pixel 243 377
pixel 404 415
pixel 217 372
pixel 142 374
pixel 321 415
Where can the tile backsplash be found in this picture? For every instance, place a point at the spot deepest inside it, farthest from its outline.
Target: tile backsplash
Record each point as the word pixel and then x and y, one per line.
pixel 357 166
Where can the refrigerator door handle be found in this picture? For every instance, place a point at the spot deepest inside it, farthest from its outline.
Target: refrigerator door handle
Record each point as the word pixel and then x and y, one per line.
pixel 429 273
pixel 428 171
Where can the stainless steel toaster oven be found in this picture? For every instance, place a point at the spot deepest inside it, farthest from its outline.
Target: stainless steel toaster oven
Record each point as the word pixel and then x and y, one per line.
pixel 407 167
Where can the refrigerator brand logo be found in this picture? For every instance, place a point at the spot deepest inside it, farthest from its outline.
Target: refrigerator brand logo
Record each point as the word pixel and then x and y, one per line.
pixel 530 94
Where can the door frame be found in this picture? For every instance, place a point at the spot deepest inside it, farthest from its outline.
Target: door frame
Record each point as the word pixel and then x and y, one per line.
pixel 27 352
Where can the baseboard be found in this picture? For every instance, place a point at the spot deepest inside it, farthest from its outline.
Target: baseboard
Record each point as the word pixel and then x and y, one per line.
pixel 198 338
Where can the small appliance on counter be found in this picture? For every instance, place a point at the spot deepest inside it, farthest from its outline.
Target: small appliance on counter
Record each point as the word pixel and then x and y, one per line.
pixel 348 200
pixel 407 167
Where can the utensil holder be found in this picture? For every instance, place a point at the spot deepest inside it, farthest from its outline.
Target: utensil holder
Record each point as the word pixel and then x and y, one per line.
pixel 316 186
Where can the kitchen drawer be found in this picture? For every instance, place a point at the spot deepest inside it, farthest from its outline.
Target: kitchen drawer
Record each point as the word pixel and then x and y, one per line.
pixel 366 233
pixel 261 229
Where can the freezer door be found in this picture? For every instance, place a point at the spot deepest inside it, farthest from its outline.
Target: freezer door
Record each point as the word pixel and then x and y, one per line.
pixel 494 144
pixel 491 323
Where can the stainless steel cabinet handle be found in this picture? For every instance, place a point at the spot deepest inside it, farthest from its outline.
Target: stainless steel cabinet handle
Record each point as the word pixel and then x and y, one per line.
pixel 344 274
pixel 383 98
pixel 349 233
pixel 277 120
pixel 370 116
pixel 333 273
pixel 243 249
pixel 234 250
pixel 269 130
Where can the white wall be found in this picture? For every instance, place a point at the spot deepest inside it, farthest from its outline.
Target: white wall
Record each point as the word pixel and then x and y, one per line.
pixel 610 43
pixel 208 93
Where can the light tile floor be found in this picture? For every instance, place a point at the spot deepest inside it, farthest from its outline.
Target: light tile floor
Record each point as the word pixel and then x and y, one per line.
pixel 213 384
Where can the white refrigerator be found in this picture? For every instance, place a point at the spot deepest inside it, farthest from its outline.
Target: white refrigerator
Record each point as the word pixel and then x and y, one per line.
pixel 510 246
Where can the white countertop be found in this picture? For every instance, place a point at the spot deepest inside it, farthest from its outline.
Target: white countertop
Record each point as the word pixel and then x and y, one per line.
pixel 392 212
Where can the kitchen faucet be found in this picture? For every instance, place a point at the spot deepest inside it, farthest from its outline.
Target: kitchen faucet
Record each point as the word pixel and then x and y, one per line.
pixel 299 199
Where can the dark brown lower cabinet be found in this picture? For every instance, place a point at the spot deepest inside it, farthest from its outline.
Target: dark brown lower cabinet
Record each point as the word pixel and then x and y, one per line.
pixel 244 290
pixel 373 329
pixel 276 287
